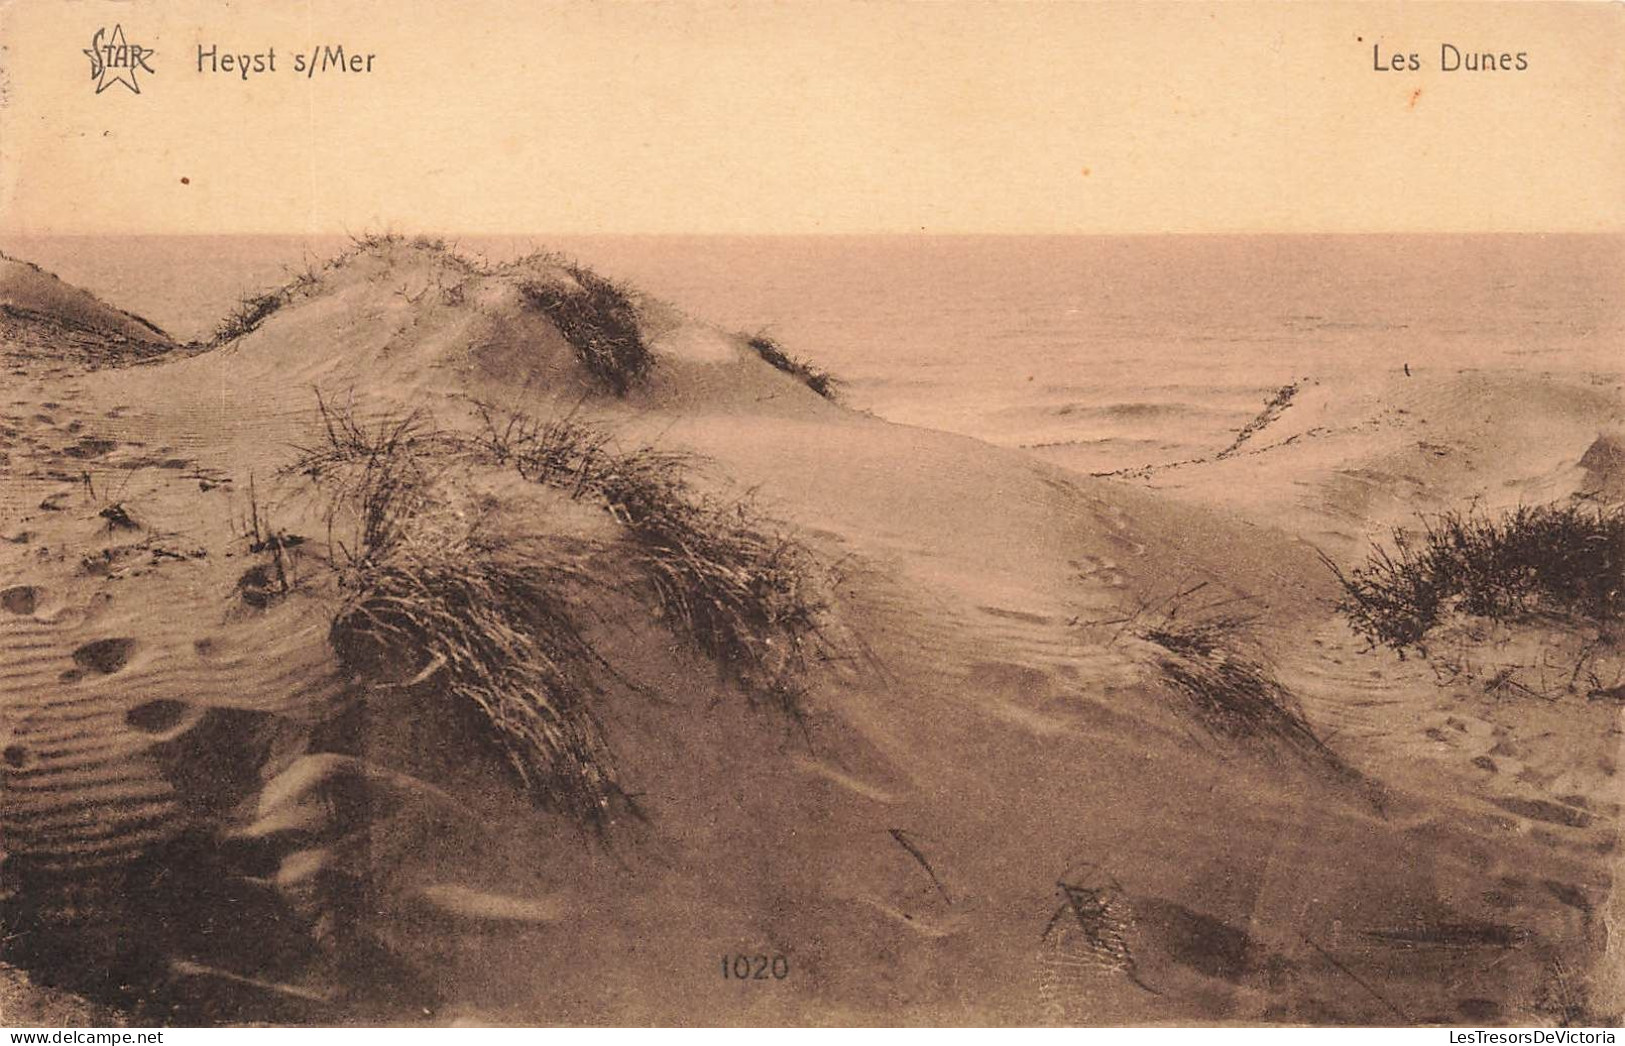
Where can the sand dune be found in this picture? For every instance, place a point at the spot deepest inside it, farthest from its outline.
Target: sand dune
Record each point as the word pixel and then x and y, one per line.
pixel 997 805
pixel 1342 460
pixel 35 300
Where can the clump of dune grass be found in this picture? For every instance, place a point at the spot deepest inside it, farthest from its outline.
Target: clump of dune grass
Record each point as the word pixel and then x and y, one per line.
pixel 391 443
pixel 557 452
pixel 494 635
pixel 599 321
pixel 1211 661
pixel 725 577
pixel 737 590
pixel 430 604
pixel 251 311
pixel 372 240
pixel 1559 560
pixel 810 374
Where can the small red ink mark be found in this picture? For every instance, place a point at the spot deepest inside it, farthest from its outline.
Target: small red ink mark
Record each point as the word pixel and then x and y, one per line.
pixel 185 180
pixel 1416 96
pixel 1086 172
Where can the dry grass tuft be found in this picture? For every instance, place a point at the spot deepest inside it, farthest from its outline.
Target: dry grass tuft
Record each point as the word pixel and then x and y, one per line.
pixel 600 322
pixel 250 313
pixel 1233 692
pixel 813 376
pixel 494 635
pixel 725 578
pixel 431 605
pixel 1566 559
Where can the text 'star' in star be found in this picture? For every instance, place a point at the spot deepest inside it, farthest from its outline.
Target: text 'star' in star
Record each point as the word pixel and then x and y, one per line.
pixel 115 61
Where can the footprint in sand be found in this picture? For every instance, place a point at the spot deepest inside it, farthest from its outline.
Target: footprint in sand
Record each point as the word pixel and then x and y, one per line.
pixel 1100 570
pixel 1545 811
pixel 1091 934
pixel 21 599
pixel 90 447
pixel 104 656
pixel 157 717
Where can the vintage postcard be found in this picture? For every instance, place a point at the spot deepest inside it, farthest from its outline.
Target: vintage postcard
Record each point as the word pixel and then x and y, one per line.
pixel 811 514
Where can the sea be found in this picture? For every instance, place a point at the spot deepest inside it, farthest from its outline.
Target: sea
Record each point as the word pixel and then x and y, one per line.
pixel 1102 351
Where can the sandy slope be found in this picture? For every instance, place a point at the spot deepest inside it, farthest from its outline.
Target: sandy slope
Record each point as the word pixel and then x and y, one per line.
pixel 998 809
pixel 1347 458
pixel 30 293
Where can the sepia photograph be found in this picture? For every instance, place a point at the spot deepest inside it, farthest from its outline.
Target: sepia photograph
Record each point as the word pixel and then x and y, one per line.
pixel 766 514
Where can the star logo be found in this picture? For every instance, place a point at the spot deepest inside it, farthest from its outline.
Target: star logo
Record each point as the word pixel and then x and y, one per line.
pixel 115 61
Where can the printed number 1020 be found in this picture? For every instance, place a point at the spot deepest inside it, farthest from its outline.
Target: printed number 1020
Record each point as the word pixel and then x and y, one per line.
pixel 755 967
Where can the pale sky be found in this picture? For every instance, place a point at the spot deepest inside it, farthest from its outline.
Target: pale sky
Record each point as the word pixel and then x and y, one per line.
pixel 510 117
